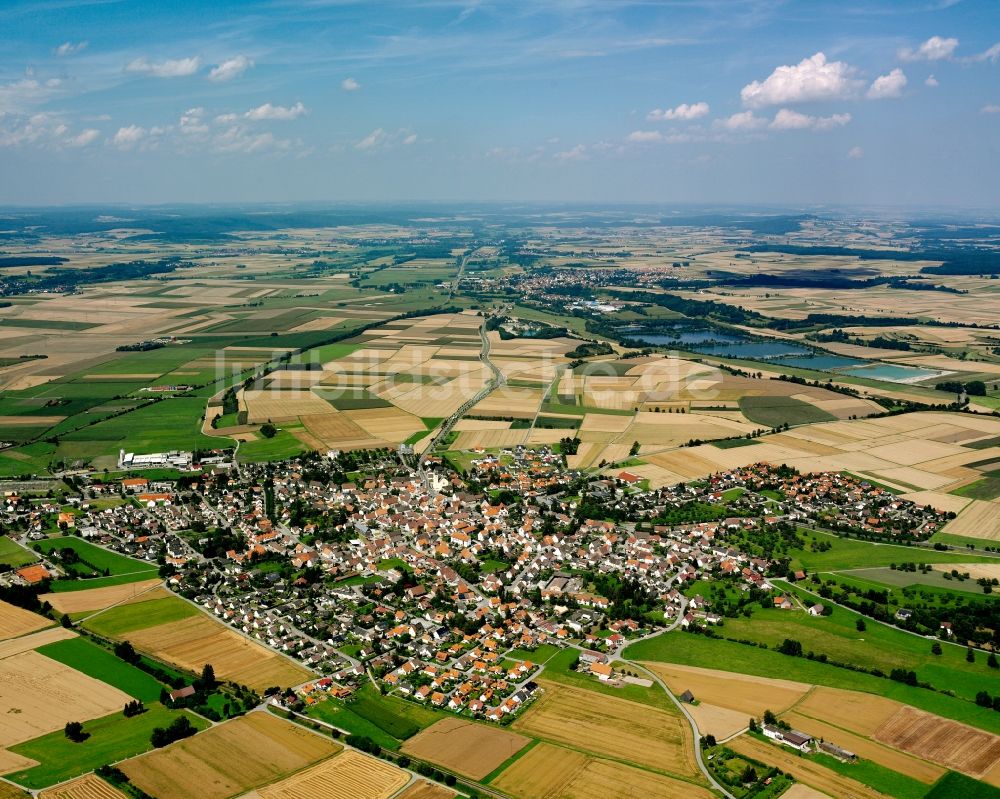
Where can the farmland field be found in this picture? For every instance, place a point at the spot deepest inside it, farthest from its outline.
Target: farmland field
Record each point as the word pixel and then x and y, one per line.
pixel 41 694
pixel 92 660
pixel 86 787
pixel 349 775
pixel 229 759
pixel 111 738
pixel 123 619
pixel 690 650
pixel 94 560
pixel 15 621
pixel 953 745
pixel 471 749
pixel 98 598
pixel 426 790
pixel 613 727
pixel 196 640
pixel 549 771
pixel 803 769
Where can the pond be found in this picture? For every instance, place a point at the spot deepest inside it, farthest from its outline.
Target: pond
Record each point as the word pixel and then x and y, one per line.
pixel 893 373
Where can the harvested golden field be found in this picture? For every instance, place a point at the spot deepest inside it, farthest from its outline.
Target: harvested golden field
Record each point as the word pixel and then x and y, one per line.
pixel 85 787
pixel 851 710
pixel 391 424
pixel 553 772
pixel 979 519
pixel 9 761
pixel 337 431
pixel 349 775
pixel 976 571
pixel 25 643
pixel 15 621
pixel 718 721
pixel 513 401
pixel 228 759
pixel 804 770
pixel 747 695
pixel 40 695
pixel 610 726
pixel 192 642
pixel 8 791
pixel 493 439
pixel 100 598
pixel 282 406
pixel 465 747
pixel 866 748
pixel 426 790
pixel 800 791
pixel 940 740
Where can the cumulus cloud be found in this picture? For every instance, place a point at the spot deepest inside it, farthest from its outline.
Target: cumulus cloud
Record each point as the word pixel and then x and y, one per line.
pixel 128 137
pixel 812 79
pixel 787 119
pixel 70 48
pixel 855 153
pixel 410 139
pixel 683 112
pixel 644 136
pixel 380 138
pixel 41 130
pixel 269 111
pixel 230 68
pixel 349 85
pixel 992 54
pixel 934 49
pixel 171 68
pixel 83 138
pixel 744 120
pixel 887 86
pixel 237 139
pixel 932 82
pixel 19 95
pixel 991 108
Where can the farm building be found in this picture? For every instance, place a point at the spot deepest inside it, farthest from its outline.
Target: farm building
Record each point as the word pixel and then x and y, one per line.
pixel 792 738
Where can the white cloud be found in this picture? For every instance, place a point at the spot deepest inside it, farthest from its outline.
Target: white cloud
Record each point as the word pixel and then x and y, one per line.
pixel 129 136
pixel 992 54
pixel 934 49
pixel 372 140
pixel 268 111
pixel 70 48
pixel 192 122
pixel 171 68
pixel 21 94
pixel 226 119
pixel 644 136
pixel 577 153
pixel 349 85
pixel 991 108
pixel 855 153
pixel 888 86
pixel 787 119
pixel 230 68
pixel 237 139
pixel 932 82
pixel 380 138
pixel 744 120
pixel 811 79
pixel 83 138
pixel 683 112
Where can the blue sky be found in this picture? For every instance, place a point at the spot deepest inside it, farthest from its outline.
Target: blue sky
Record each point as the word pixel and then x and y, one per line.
pixel 793 102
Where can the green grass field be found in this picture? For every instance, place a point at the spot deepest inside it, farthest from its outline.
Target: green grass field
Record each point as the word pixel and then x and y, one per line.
pixel 879 646
pixel 776 411
pixel 903 579
pixel 696 650
pixel 92 660
pixel 13 554
pixel 335 712
pixel 112 738
pixel 118 621
pixel 557 670
pixel 957 786
pixel 849 553
pixel 883 779
pixel 59 586
pixel 283 445
pixel 96 558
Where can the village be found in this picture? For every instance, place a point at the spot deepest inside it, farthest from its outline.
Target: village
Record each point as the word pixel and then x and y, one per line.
pixel 439 588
